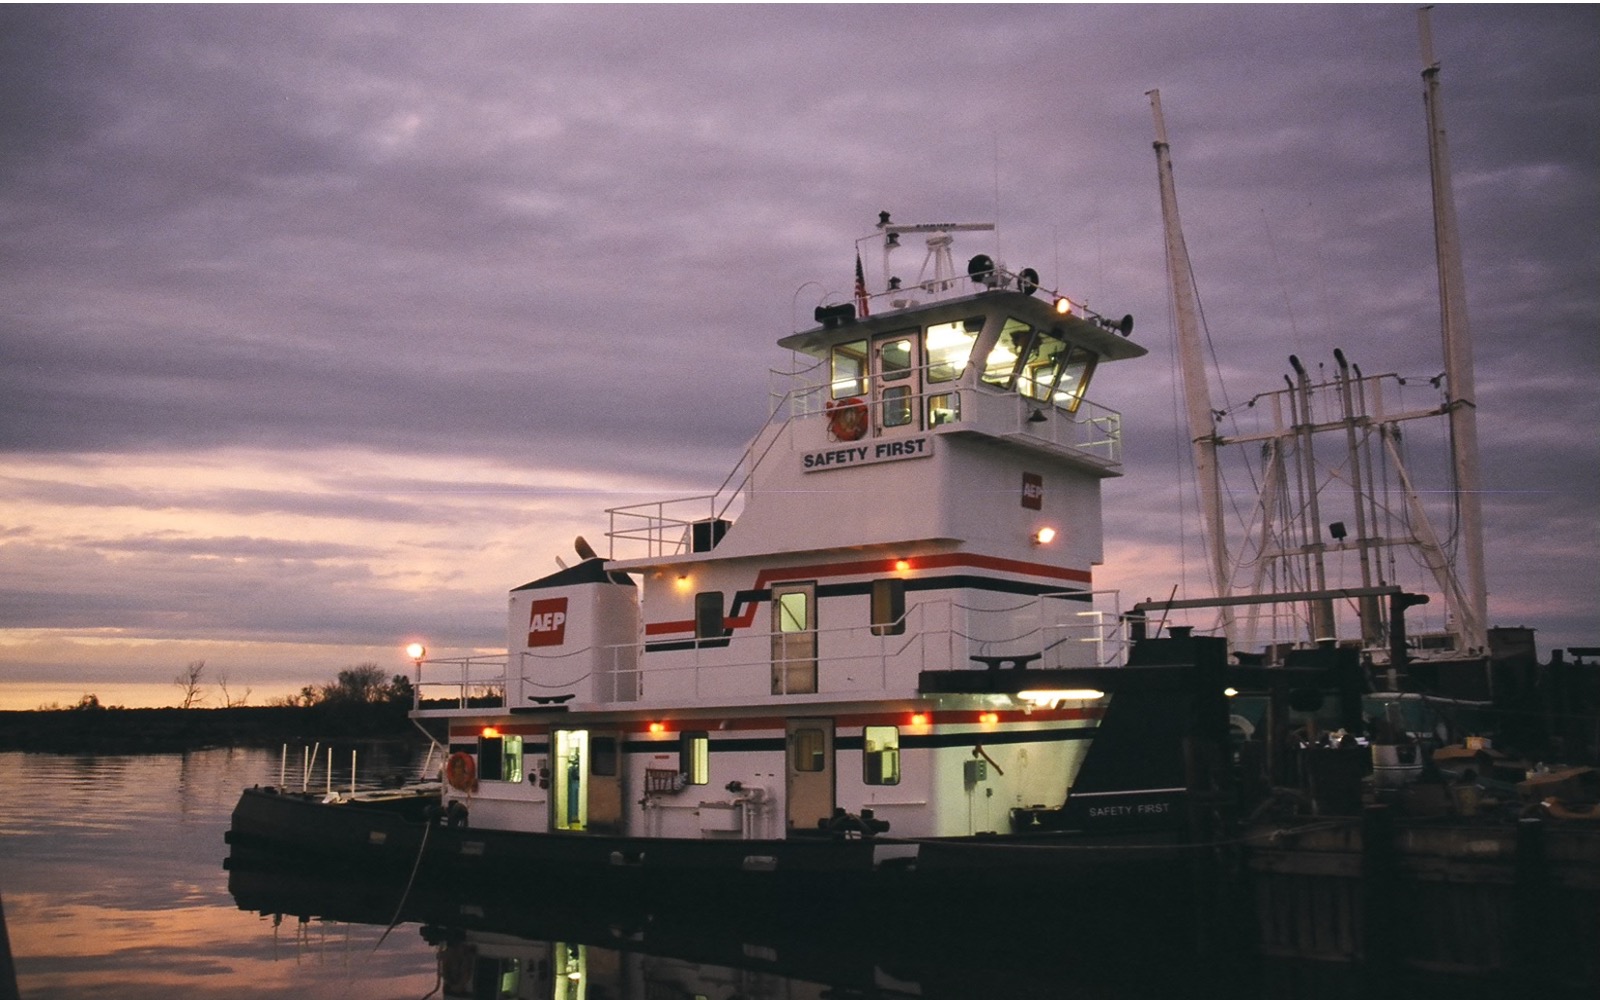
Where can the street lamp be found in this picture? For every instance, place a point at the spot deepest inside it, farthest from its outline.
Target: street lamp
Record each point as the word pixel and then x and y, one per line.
pixel 417 652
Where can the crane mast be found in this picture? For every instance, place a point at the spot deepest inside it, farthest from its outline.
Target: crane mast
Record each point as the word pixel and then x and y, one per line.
pixel 1196 389
pixel 1461 399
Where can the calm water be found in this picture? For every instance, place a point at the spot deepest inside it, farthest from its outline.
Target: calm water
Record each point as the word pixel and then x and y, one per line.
pixel 113 886
pixel 112 879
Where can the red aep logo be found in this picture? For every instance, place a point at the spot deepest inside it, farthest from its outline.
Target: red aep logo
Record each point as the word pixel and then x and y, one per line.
pixel 547 622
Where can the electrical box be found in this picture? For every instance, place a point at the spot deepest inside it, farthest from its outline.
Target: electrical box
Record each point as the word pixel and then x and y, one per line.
pixel 975 771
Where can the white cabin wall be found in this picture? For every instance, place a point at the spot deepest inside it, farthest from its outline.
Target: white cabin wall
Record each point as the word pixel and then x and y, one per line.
pixel 583 642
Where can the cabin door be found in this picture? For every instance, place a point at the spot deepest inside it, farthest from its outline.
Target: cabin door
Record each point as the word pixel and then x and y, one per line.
pixel 808 783
pixel 794 638
pixel 585 781
pixel 605 782
pixel 896 382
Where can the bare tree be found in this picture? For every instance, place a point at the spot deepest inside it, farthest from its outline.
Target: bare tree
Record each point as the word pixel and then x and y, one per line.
pixel 189 682
pixel 228 700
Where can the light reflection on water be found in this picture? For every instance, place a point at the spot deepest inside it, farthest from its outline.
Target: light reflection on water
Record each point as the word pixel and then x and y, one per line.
pixel 112 881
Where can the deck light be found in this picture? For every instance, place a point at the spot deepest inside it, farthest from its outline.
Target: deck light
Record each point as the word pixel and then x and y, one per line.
pixel 989 718
pixel 1063 306
pixel 1044 697
pixel 489 733
pixel 417 652
pixel 919 718
pixel 1044 536
pixel 657 728
pixel 902 565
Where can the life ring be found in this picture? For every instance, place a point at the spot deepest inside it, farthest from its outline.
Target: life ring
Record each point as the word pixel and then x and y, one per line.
pixel 461 772
pixel 847 418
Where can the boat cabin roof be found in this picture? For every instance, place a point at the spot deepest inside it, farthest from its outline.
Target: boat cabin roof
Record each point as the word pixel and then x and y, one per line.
pixel 1076 325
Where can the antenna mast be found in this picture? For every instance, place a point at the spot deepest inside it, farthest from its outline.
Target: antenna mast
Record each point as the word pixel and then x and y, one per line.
pixel 1196 390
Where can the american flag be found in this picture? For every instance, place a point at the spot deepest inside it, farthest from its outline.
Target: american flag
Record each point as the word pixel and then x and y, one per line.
pixel 861 288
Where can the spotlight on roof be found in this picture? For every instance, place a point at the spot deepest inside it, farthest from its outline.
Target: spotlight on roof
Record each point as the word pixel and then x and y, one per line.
pixel 836 315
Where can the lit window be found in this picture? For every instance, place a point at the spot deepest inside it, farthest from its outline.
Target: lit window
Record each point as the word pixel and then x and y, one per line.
pixel 694 757
pixel 850 369
pixel 511 757
pixel 1074 379
pixel 881 756
pixel 894 359
pixel 1000 368
pixel 949 345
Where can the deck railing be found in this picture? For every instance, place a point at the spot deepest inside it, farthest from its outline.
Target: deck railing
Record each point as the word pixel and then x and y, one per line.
pixel 1063 627
pixel 472 680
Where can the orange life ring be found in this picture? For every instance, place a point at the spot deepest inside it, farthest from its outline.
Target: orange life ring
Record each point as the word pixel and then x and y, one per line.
pixel 847 418
pixel 461 771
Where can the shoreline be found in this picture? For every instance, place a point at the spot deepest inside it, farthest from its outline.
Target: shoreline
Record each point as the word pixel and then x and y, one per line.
pixel 101 730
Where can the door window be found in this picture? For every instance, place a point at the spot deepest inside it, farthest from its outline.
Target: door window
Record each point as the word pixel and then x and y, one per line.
pixel 794 639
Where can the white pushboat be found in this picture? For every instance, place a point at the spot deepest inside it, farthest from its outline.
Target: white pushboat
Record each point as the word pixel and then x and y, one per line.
pixel 874 652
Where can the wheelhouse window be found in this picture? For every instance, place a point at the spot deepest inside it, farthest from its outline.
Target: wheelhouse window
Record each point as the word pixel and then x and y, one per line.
pixel 849 369
pixel 880 760
pixel 1040 365
pixel 694 757
pixel 1074 379
pixel 1004 360
pixel 895 365
pixel 949 345
pixel 708 615
pixel 888 607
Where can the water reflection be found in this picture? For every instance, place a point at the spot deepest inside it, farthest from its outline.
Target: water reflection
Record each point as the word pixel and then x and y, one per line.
pixel 112 874
pixel 112 881
pixel 499 943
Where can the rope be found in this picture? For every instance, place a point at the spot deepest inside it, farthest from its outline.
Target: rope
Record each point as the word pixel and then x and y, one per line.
pixel 404 896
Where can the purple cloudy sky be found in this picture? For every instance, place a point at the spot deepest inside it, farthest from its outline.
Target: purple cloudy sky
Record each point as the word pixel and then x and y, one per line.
pixel 324 326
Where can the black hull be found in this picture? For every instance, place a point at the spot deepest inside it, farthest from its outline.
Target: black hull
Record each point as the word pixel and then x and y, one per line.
pixel 287 828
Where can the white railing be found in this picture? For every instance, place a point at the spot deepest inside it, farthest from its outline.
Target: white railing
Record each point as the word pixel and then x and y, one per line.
pixel 478 678
pixel 938 635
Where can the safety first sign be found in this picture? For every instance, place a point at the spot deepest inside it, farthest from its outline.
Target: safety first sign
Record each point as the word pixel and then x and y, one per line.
pixel 547 622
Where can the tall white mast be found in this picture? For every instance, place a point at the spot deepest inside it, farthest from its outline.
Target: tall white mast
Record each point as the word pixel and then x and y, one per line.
pixel 1461 396
pixel 1196 390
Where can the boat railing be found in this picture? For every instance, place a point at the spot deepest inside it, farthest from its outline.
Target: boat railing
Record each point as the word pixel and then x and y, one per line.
pixel 1068 628
pixel 666 527
pixel 475 680
pixel 1087 428
pixel 610 673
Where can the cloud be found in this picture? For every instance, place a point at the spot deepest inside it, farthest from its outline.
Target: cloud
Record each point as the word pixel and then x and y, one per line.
pixel 277 259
